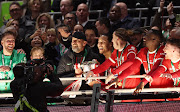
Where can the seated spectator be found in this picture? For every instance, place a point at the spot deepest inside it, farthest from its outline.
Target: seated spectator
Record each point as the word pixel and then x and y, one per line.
pixel 10 58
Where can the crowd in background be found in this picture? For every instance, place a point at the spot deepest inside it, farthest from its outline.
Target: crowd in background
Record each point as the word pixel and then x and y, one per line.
pixel 70 39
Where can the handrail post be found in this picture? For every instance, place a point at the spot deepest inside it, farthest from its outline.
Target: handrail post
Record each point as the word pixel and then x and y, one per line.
pixel 109 101
pixel 95 97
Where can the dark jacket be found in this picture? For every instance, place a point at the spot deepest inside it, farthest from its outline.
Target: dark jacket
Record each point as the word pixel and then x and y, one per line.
pixel 127 23
pixel 67 61
pixel 36 93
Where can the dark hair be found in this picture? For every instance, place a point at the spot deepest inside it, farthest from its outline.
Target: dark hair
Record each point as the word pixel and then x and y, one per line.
pixel 92 27
pixel 8 33
pixel 15 3
pixel 109 36
pixel 104 21
pixel 122 34
pixel 158 33
pixel 174 42
pixel 18 70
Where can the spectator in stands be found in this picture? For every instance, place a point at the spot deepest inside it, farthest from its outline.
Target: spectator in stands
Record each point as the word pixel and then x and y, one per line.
pixel 70 20
pixel 18 40
pixel 114 14
pixel 126 22
pixel 15 11
pixel 122 56
pixel 50 52
pixel 79 52
pixel 91 37
pixel 136 38
pixel 82 14
pixel 175 33
pixel 43 22
pixel 78 28
pixel 64 35
pixel 9 58
pixel 103 26
pixel 65 6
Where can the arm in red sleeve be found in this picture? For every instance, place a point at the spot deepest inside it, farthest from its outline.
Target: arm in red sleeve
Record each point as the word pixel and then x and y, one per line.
pixel 176 74
pixel 156 66
pixel 155 74
pixel 103 67
pixel 125 64
pixel 130 70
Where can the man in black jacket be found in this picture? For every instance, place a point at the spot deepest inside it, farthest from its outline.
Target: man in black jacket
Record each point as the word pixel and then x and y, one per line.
pixel 79 52
pixel 36 90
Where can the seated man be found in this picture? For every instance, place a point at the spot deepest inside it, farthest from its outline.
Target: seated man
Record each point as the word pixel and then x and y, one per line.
pixel 9 58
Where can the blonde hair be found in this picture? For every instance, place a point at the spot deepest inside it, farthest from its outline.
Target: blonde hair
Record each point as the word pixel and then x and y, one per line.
pixel 30 3
pixel 10 22
pixel 51 22
pixel 52 30
pixel 35 49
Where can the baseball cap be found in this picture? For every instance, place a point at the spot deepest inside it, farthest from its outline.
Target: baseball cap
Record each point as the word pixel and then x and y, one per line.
pixel 79 35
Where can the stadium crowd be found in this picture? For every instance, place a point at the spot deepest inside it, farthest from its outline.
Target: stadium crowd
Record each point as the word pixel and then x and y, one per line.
pixel 113 45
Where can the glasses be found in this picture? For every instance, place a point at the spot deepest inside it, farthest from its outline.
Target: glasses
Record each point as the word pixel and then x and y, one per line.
pixel 17 9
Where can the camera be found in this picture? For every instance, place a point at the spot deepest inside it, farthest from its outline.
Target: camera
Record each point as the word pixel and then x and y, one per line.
pixel 33 71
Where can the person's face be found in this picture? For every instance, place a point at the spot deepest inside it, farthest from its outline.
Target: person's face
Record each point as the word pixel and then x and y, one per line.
pixel 15 12
pixel 98 27
pixel 114 13
pixel 116 42
pixel 103 44
pixel 90 36
pixel 65 6
pixel 36 6
pixel 36 42
pixel 78 44
pixel 44 21
pixel 15 24
pixel 82 12
pixel 151 40
pixel 78 28
pixel 51 37
pixel 37 54
pixel 70 20
pixel 136 39
pixel 8 43
pixel 169 51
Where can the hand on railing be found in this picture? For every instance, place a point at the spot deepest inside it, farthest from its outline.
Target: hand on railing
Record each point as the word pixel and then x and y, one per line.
pixel 109 78
pixel 115 82
pixel 139 88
